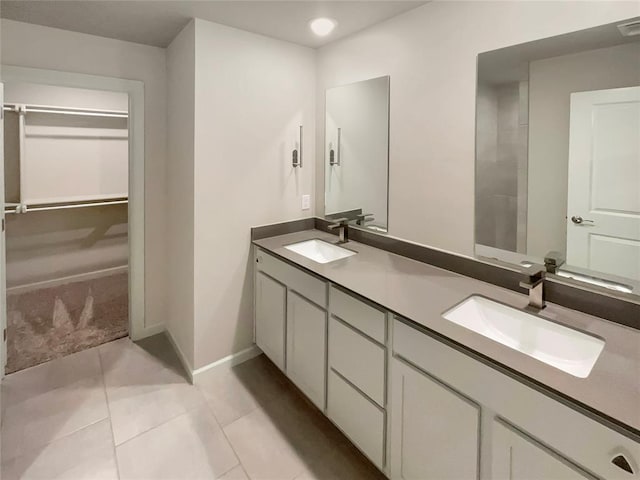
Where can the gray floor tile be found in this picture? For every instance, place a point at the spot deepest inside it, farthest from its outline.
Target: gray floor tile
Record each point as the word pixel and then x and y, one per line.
pixel 191 446
pixel 346 463
pixel 51 415
pixel 236 473
pixel 124 357
pixel 232 393
pixel 34 381
pixel 86 454
pixel 289 437
pixel 62 419
pixel 141 400
pixel 264 451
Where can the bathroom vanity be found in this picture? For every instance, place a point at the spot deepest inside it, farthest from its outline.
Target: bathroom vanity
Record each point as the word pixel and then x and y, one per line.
pixel 365 339
pixel 434 374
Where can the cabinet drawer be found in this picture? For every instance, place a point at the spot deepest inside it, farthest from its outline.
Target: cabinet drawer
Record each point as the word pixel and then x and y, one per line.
pixel 306 285
pixel 357 417
pixel 573 435
pixel 358 359
pixel 360 315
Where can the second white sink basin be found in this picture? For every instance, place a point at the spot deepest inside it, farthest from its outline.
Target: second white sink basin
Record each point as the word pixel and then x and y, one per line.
pixel 561 347
pixel 320 251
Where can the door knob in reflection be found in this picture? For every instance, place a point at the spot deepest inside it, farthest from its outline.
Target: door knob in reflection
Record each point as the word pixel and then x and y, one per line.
pixel 580 220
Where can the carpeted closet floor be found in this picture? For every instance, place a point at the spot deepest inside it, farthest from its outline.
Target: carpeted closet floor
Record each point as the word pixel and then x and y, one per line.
pixel 52 322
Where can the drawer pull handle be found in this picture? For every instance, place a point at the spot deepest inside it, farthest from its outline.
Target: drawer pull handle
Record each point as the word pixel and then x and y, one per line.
pixel 620 461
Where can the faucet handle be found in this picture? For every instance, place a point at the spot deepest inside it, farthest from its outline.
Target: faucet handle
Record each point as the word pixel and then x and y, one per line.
pixel 535 274
pixel 553 260
pixel 338 222
pixel 363 218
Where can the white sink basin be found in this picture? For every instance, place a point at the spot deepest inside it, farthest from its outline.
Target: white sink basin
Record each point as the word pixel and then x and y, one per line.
pixel 320 251
pixel 561 347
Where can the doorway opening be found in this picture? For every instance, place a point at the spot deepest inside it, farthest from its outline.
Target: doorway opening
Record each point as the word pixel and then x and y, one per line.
pixel 66 169
pixel 73 206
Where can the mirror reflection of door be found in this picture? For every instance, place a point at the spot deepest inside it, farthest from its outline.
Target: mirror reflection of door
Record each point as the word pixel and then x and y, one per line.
pixel 558 155
pixel 603 210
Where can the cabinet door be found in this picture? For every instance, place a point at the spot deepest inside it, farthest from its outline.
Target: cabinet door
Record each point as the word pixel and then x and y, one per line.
pixel 515 457
pixel 270 317
pixel 435 431
pixel 306 347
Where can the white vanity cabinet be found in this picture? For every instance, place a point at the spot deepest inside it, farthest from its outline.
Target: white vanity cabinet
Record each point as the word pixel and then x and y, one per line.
pixel 306 346
pixel 435 430
pixel 525 434
pixel 414 403
pixel 291 323
pixel 270 307
pixel 516 457
pixel 356 392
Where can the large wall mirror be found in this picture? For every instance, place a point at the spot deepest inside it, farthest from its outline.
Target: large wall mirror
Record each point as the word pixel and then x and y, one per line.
pixel 558 155
pixel 357 153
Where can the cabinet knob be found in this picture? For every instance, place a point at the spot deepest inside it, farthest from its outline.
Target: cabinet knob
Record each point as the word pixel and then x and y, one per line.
pixel 621 461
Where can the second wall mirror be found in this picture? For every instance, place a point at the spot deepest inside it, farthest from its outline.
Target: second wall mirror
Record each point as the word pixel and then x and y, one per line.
pixel 558 155
pixel 357 153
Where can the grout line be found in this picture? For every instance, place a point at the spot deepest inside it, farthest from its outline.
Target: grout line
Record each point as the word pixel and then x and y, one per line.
pixel 177 415
pixel 229 441
pixel 106 397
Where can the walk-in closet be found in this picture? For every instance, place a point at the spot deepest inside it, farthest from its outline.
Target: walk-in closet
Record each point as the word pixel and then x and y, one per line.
pixel 66 156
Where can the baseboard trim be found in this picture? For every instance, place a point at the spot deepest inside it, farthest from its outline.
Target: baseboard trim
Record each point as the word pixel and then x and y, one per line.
pixel 181 356
pixel 229 361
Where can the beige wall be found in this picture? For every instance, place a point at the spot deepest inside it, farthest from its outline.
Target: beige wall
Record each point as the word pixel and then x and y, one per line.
pixel 35 46
pixel 551 82
pixel 180 180
pixel 430 53
pixel 252 93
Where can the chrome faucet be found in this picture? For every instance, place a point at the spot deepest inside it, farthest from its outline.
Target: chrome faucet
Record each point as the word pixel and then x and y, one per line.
pixel 363 218
pixel 341 225
pixel 553 260
pixel 535 285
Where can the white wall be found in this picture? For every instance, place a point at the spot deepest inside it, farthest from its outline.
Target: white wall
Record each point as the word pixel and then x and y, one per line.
pixel 180 179
pixel 551 83
pixel 430 53
pixel 252 93
pixel 361 111
pixel 35 46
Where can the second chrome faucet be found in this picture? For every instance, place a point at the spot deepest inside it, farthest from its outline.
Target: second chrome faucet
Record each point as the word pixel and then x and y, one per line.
pixel 535 285
pixel 341 225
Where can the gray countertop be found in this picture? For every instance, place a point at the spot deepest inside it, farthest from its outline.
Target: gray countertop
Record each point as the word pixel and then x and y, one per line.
pixel 421 293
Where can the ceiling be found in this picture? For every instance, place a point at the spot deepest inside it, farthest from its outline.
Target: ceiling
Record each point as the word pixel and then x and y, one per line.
pixel 154 22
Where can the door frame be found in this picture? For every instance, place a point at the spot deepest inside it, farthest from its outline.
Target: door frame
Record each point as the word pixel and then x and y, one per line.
pixel 3 263
pixel 136 207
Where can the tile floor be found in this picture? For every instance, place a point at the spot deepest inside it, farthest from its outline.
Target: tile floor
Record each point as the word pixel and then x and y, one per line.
pixel 125 410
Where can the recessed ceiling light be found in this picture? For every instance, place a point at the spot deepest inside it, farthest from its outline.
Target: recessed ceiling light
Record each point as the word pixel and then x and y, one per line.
pixel 322 26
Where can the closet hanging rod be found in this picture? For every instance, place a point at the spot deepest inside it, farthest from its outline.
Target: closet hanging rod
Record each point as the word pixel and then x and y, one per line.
pixel 86 112
pixel 67 206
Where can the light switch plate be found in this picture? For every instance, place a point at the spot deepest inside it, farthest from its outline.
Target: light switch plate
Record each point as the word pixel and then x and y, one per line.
pixel 306 202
